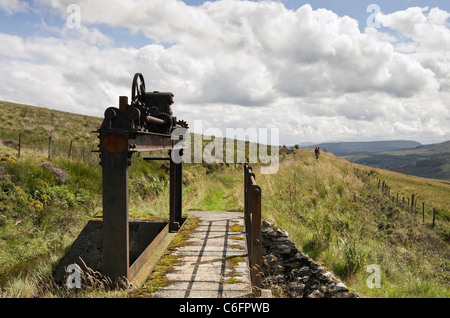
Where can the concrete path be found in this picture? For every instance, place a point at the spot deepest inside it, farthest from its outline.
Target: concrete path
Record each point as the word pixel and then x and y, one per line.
pixel 214 264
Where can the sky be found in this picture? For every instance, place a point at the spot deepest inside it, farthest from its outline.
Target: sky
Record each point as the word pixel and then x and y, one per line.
pixel 318 71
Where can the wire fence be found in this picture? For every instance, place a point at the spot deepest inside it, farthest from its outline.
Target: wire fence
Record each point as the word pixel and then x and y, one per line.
pixel 81 150
pixel 408 204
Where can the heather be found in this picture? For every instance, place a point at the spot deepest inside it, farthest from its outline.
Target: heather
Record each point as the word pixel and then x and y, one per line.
pixel 41 207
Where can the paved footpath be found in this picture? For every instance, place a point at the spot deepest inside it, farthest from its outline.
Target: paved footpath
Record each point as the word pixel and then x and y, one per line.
pixel 214 264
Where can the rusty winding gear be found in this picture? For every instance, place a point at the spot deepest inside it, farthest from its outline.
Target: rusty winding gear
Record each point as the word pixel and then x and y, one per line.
pixel 147 112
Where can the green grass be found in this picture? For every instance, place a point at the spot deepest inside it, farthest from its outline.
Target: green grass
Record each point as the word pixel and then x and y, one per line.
pixel 40 212
pixel 214 189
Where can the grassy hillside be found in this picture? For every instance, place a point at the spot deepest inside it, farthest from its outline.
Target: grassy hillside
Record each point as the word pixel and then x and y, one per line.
pixel 37 124
pixel 330 207
pixel 334 212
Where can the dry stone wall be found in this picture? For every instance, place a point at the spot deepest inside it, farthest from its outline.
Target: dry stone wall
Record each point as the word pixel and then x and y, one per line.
pixel 291 273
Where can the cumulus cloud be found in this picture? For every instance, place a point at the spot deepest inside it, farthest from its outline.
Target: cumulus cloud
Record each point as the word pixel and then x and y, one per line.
pixel 428 39
pixel 310 73
pixel 427 27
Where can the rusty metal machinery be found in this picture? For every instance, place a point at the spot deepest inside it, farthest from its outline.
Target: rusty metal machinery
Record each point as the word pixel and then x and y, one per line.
pixel 148 111
pixel 145 124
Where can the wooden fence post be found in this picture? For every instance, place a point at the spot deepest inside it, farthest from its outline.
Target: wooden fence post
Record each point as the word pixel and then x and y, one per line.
pixel 434 215
pixel 423 212
pixel 70 149
pixel 20 144
pixel 49 148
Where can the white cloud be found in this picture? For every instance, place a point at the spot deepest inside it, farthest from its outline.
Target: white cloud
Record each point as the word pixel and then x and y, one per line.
pixel 427 27
pixel 310 73
pixel 13 6
pixel 428 39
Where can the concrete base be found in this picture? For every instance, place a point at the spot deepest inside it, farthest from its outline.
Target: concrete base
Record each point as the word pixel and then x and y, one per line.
pixel 86 251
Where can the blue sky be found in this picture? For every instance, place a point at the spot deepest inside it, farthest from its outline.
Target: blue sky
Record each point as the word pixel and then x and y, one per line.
pixel 316 75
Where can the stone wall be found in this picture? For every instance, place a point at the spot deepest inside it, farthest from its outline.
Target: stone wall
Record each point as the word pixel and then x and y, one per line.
pixel 290 273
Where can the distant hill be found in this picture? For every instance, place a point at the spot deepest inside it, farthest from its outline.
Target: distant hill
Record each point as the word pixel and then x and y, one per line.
pixel 437 168
pixel 340 148
pixel 434 149
pixel 428 161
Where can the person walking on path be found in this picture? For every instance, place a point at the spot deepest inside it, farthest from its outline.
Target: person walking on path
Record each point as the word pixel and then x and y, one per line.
pixel 317 152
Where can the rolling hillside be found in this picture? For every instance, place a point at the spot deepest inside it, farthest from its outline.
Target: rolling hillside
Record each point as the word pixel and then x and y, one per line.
pixel 438 168
pixel 428 161
pixel 332 209
pixel 341 148
pixel 37 124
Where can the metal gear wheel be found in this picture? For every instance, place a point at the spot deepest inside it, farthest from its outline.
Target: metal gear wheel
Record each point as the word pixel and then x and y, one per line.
pixel 183 124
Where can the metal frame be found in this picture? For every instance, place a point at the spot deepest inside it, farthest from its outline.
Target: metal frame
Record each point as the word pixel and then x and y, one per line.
pixel 116 148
